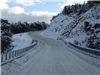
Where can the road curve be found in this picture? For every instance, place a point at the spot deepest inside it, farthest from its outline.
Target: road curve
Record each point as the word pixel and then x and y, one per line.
pixel 54 58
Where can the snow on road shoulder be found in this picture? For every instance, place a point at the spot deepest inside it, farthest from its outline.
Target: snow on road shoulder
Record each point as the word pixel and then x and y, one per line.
pixel 21 40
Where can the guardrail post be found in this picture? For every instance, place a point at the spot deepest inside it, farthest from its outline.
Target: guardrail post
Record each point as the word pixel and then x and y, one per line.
pixel 2 57
pixel 15 53
pixel 6 56
pixel 11 55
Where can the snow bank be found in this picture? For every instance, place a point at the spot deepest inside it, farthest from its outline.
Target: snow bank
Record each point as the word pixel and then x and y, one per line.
pixel 21 40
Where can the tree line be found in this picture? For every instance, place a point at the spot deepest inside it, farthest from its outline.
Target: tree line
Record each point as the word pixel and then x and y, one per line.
pixel 9 29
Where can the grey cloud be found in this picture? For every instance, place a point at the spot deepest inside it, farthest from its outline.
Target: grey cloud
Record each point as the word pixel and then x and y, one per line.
pixel 24 17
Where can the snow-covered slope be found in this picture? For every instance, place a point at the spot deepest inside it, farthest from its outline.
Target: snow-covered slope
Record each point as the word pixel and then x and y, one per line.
pixel 21 40
pixel 92 17
pixel 58 25
pixel 73 27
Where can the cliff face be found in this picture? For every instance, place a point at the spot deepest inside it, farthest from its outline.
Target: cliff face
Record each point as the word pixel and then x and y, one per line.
pixel 79 24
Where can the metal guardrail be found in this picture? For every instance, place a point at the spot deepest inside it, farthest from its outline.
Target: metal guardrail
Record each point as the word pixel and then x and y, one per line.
pixel 92 56
pixel 94 52
pixel 6 57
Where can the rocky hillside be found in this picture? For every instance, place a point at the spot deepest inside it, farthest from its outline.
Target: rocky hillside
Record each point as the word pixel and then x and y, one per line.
pixel 79 24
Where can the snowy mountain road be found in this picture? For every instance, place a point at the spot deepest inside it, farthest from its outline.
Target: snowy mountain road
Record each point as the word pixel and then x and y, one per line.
pixel 54 58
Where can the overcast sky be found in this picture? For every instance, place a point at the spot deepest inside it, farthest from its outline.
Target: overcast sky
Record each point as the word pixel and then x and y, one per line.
pixel 33 10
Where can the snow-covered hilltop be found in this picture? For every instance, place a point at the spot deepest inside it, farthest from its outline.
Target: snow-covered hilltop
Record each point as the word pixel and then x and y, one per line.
pixel 79 24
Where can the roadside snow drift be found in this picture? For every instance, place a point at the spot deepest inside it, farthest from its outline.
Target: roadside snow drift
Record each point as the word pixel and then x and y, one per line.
pixel 21 40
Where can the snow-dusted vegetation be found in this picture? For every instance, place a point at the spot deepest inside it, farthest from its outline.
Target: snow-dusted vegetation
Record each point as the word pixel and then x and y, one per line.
pixel 6 35
pixel 11 37
pixel 79 24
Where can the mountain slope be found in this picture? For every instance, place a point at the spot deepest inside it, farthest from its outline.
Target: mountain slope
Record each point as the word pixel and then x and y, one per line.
pixel 81 28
